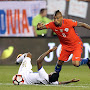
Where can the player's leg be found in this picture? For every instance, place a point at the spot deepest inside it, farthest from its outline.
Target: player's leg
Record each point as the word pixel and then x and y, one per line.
pixel 20 58
pixel 76 59
pixel 81 62
pixel 26 64
pixel 88 63
pixel 58 66
pixel 64 55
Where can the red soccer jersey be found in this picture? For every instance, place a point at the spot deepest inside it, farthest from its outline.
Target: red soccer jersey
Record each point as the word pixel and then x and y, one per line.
pixel 66 33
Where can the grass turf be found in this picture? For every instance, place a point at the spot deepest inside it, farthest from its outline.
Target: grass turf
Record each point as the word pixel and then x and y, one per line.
pixel 67 73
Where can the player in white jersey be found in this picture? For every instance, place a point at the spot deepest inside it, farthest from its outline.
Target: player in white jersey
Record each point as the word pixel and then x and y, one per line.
pixel 40 77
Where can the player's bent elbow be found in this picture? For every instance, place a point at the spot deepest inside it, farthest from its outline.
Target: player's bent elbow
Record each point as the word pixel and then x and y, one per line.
pixel 38 61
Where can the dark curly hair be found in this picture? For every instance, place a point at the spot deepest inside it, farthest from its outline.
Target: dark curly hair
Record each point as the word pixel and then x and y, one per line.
pixel 54 77
pixel 57 12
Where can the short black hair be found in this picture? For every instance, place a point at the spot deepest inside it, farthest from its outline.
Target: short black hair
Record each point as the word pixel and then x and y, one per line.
pixel 42 10
pixel 56 12
pixel 54 77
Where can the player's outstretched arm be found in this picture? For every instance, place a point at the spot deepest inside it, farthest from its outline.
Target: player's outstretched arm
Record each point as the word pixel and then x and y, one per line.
pixel 81 24
pixel 41 58
pixel 67 82
pixel 40 26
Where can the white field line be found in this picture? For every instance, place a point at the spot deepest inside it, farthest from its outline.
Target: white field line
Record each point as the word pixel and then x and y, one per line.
pixel 81 85
pixel 71 85
pixel 6 83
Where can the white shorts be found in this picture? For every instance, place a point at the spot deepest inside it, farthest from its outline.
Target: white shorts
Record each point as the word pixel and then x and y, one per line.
pixel 45 77
pixel 43 74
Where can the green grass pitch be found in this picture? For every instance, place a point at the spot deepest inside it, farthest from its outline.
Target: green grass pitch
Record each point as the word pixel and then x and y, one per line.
pixel 67 73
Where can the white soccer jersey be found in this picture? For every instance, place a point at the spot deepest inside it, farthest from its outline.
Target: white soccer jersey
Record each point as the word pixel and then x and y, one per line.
pixel 30 77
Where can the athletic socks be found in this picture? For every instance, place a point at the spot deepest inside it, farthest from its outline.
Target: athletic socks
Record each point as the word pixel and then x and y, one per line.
pixel 58 68
pixel 83 61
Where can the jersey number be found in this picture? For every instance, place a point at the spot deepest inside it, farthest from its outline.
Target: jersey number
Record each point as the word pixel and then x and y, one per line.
pixel 63 34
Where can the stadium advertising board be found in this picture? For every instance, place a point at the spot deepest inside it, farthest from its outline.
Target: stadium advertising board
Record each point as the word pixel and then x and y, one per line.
pixel 11 47
pixel 56 5
pixel 16 17
pixel 78 8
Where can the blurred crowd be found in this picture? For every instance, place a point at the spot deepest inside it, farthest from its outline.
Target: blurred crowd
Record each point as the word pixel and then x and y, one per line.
pixel 41 17
pixel 37 0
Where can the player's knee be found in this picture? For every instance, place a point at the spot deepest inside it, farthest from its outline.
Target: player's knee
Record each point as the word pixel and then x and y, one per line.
pixel 59 62
pixel 38 61
pixel 76 65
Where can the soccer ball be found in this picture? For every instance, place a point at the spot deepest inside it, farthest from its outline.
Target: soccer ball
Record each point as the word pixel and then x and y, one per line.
pixel 18 79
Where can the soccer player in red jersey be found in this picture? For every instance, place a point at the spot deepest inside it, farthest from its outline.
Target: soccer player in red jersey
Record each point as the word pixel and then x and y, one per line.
pixel 70 41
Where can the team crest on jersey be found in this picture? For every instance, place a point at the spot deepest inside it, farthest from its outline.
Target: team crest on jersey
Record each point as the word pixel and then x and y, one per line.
pixel 61 30
pixel 66 29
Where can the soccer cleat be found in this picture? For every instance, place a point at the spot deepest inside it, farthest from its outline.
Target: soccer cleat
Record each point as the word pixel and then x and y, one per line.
pixel 19 55
pixel 16 63
pixel 17 58
pixel 20 58
pixel 88 63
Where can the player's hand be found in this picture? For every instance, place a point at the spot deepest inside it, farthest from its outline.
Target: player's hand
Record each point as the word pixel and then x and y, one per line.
pixel 74 80
pixel 39 26
pixel 53 49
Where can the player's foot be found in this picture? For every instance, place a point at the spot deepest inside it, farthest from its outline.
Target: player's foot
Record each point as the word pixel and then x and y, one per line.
pixel 20 58
pixel 16 63
pixel 88 63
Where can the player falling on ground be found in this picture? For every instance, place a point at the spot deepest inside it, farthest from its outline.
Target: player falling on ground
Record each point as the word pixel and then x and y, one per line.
pixel 41 77
pixel 70 41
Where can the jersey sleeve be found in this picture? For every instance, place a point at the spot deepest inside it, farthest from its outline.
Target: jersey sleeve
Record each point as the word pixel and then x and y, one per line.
pixel 49 25
pixel 72 23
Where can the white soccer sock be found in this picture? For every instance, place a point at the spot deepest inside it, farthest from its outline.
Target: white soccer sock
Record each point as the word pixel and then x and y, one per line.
pixel 20 59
